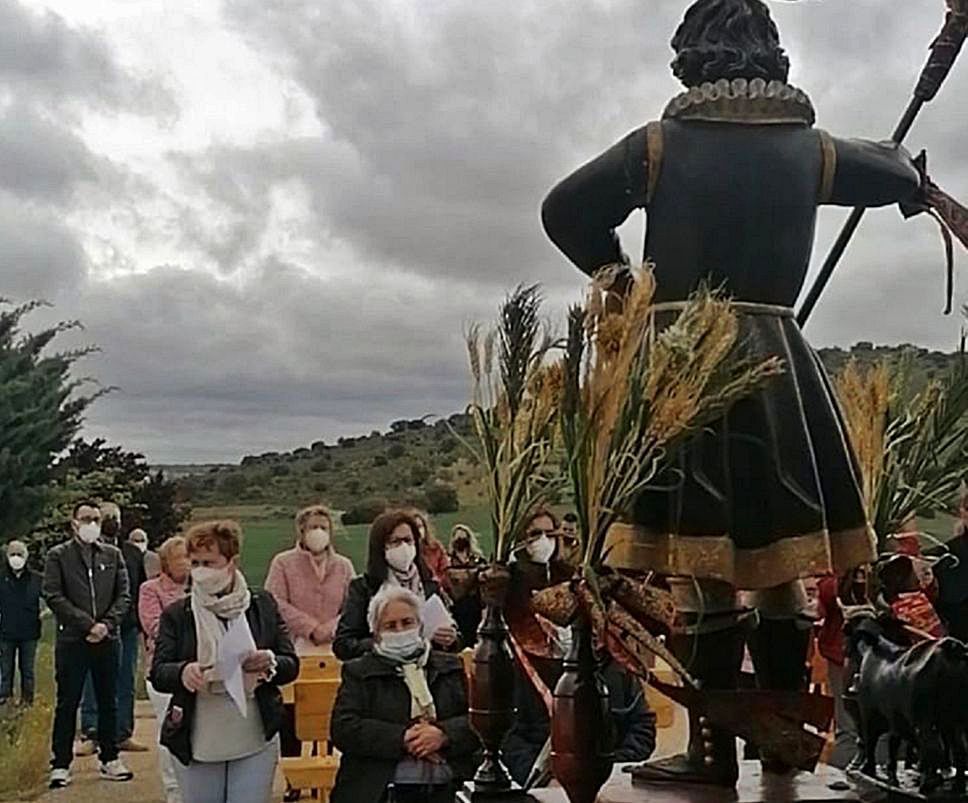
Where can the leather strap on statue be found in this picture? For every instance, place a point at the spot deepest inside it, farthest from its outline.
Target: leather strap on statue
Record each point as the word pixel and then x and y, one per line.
pixel 532 674
pixel 951 216
pixel 654 147
pixel 828 169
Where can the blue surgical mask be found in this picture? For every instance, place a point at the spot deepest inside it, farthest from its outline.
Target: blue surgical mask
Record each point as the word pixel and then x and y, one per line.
pixel 406 645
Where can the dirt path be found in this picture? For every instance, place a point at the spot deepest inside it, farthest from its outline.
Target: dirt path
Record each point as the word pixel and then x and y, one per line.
pixel 145 787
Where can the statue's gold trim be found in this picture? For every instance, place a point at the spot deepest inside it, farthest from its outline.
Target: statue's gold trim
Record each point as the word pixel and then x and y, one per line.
pixel 715 557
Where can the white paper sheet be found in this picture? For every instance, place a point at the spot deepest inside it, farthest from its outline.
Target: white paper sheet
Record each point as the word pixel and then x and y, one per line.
pixel 236 645
pixel 435 616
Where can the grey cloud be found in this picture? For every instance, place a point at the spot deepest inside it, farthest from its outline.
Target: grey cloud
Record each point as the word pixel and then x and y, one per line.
pixel 40 257
pixel 209 368
pixel 46 60
pixel 42 160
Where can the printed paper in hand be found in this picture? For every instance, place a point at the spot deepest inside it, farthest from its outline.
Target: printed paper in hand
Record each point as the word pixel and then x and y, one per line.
pixel 236 644
pixel 435 616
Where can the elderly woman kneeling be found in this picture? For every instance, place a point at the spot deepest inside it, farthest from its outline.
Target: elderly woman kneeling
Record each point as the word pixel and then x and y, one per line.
pixel 400 718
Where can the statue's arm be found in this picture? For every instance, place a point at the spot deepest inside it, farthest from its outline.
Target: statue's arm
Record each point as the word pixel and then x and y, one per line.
pixel 872 174
pixel 581 213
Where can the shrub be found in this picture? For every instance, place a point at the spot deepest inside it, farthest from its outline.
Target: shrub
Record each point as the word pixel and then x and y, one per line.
pixel 365 511
pixel 380 460
pixel 319 466
pixel 320 487
pixel 280 470
pixel 396 451
pixel 419 474
pixel 442 499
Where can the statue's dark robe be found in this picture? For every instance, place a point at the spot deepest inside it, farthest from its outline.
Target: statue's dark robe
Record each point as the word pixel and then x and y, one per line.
pixel 772 492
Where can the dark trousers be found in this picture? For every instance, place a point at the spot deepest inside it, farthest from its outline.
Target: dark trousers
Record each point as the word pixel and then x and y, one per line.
pixel 24 654
pixel 289 745
pixel 73 660
pixel 127 664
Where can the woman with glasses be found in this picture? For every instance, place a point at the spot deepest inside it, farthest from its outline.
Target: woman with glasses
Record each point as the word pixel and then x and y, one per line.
pixel 393 559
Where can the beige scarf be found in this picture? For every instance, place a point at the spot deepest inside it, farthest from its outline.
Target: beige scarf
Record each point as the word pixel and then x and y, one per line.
pixel 415 676
pixel 209 612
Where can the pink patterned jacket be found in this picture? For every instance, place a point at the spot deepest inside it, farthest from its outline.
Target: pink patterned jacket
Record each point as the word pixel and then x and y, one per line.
pixel 156 595
pixel 305 599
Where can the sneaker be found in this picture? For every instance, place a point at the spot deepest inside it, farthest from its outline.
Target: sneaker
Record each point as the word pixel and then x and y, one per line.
pixel 129 745
pixel 60 778
pixel 84 747
pixel 116 771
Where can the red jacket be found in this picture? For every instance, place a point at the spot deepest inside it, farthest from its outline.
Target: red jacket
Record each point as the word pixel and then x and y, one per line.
pixel 435 557
pixel 830 636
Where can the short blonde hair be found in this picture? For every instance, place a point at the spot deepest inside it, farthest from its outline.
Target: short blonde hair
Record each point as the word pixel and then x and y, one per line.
pixel 224 534
pixel 168 547
pixel 313 510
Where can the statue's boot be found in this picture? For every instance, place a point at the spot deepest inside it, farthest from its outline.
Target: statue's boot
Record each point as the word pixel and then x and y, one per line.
pixel 778 648
pixel 714 659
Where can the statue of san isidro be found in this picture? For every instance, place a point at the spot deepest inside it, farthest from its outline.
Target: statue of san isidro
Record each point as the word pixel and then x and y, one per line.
pixel 731 178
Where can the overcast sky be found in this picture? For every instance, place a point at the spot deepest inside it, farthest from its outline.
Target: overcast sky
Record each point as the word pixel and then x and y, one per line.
pixel 274 218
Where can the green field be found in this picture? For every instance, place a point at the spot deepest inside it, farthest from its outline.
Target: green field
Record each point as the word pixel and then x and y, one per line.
pixel 269 530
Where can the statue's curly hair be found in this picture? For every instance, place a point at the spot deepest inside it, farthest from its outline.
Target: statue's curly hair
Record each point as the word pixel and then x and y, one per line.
pixel 728 39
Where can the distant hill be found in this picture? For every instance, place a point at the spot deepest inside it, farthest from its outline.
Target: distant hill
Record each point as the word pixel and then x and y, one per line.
pixel 415 461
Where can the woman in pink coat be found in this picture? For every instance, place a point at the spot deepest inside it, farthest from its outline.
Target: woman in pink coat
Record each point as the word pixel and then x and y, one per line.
pixel 154 596
pixel 309 583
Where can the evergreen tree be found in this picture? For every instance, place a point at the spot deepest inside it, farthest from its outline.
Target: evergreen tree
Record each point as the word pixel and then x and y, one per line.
pixel 41 410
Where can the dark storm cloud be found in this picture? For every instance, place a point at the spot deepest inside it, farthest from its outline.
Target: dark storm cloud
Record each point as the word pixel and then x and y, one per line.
pixel 207 370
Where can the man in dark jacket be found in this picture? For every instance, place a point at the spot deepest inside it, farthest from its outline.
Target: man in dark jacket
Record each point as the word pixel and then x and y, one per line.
pixel 634 723
pixel 86 586
pixel 19 622
pixel 130 640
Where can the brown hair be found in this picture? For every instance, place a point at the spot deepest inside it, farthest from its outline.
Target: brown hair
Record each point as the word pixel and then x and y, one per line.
pixel 539 512
pixel 419 516
pixel 225 534
pixel 168 547
pixel 380 530
pixel 312 510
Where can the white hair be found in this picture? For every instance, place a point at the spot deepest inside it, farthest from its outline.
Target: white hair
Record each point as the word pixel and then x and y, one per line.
pixel 384 597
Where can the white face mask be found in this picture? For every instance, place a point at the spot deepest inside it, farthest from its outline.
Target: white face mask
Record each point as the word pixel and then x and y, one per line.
pixel 401 557
pixel 541 549
pixel 89 533
pixel 212 581
pixel 401 645
pixel 141 545
pixel 17 562
pixel 316 540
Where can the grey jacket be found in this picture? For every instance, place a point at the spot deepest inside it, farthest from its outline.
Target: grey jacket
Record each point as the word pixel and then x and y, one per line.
pixel 84 585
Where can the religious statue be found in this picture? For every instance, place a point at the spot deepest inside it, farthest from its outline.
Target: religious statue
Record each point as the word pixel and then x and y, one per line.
pixel 731 177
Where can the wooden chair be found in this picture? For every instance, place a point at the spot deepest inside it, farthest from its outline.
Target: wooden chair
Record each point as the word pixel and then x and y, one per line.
pixel 313 667
pixel 316 768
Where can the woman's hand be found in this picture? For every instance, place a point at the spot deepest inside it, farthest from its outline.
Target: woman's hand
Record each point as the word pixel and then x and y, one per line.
pixel 193 677
pixel 424 740
pixel 258 661
pixel 445 636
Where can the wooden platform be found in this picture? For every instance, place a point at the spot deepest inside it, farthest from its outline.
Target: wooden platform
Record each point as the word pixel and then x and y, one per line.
pixel 827 785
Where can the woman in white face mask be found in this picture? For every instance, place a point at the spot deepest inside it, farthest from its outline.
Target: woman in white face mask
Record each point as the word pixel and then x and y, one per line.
pixel 222 653
pixel 309 582
pixel 393 559
pixel 401 714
